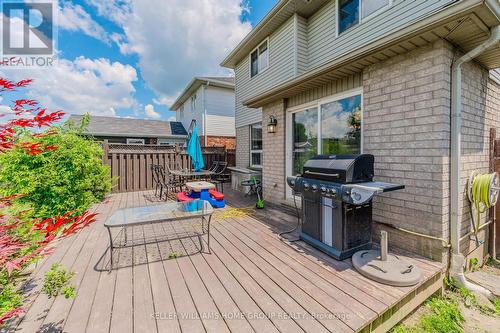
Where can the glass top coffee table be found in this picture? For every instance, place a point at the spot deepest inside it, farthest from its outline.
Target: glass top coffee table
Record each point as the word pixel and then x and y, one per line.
pixel 166 212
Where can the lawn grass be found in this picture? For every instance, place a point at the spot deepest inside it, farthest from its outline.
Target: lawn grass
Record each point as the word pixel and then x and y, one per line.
pixel 444 317
pixel 443 314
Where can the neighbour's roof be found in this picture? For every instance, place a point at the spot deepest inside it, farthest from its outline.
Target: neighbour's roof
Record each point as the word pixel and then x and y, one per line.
pixel 128 127
pixel 217 81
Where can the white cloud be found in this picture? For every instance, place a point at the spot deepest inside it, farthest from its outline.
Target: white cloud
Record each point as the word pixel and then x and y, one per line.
pixel 115 10
pixel 166 100
pixel 74 18
pixel 176 39
pixel 149 111
pixel 6 112
pixel 335 120
pixel 172 118
pixel 83 85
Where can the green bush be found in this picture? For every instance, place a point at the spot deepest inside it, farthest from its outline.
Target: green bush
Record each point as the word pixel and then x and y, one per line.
pixel 69 178
pixel 57 282
pixel 9 298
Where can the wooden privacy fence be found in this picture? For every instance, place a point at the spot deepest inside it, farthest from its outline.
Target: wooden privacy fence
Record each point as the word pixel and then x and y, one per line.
pixel 131 164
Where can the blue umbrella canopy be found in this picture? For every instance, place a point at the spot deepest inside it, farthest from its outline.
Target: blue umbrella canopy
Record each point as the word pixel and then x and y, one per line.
pixel 194 150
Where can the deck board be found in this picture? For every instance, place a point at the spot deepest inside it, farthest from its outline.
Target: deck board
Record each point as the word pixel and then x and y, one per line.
pixel 252 281
pixel 329 295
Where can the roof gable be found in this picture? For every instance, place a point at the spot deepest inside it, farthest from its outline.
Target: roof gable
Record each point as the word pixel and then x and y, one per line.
pixel 192 87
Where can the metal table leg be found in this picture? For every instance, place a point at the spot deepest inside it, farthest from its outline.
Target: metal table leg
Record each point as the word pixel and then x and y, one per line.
pixel 202 247
pixel 208 233
pixel 110 248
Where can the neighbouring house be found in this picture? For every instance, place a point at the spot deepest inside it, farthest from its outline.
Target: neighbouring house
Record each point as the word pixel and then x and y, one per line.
pixel 209 101
pixel 375 76
pixel 134 131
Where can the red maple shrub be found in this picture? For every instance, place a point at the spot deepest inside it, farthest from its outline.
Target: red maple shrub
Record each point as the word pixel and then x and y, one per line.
pixel 23 238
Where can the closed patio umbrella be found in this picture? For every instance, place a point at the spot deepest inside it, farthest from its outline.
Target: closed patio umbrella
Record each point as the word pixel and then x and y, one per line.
pixel 194 151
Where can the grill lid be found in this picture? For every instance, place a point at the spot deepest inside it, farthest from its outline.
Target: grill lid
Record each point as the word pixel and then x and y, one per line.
pixel 340 168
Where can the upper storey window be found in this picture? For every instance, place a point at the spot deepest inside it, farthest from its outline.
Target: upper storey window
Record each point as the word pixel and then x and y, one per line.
pixel 352 12
pixel 259 59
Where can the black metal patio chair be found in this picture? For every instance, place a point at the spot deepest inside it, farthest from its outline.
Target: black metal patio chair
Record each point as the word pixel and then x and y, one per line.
pixel 214 166
pixel 169 182
pixel 219 177
pixel 156 179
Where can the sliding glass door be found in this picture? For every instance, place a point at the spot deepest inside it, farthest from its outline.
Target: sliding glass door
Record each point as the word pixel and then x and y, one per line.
pixel 331 126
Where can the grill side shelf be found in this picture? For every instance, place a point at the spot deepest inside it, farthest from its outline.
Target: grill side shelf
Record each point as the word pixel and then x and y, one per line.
pixel 378 187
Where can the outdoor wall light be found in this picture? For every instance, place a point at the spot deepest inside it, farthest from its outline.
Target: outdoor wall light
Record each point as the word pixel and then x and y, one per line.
pixel 271 126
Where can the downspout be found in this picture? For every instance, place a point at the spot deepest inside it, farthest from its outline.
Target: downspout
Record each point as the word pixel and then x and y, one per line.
pixel 205 112
pixel 457 260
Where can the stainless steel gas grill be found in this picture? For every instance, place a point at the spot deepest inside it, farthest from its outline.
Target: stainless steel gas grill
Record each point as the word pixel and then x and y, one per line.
pixel 337 192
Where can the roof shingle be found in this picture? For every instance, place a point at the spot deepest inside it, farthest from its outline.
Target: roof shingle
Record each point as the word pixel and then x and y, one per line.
pixel 115 126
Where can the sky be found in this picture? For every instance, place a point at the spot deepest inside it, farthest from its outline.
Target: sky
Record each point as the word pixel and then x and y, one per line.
pixel 132 58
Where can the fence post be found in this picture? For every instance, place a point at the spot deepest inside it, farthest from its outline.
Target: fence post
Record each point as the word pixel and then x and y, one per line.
pixel 105 155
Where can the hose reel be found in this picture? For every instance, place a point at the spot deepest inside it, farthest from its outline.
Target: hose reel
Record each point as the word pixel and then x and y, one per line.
pixel 482 192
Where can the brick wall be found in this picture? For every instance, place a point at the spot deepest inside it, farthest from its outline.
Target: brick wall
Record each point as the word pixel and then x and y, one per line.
pixel 273 153
pixel 243 146
pixel 406 119
pixel 480 112
pixel 406 126
pixel 221 141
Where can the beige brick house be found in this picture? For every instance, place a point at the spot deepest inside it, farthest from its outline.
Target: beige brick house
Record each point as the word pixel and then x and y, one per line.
pixel 351 76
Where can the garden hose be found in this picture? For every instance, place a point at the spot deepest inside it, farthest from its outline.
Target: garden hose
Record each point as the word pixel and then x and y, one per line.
pixel 235 212
pixel 480 196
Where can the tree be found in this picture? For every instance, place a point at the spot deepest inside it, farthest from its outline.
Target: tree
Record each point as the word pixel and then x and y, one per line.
pixel 24 236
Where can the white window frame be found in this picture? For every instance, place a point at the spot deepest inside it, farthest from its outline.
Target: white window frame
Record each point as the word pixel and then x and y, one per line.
pixel 361 19
pixel 132 141
pixel 254 151
pixel 259 70
pixel 316 104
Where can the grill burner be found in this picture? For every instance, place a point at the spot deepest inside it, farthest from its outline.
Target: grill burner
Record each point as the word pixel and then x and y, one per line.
pixel 336 192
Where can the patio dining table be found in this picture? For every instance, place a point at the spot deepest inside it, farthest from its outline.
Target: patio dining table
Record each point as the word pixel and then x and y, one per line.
pixel 191 174
pixel 166 212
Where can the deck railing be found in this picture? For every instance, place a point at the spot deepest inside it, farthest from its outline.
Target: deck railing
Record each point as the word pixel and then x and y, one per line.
pixel 131 164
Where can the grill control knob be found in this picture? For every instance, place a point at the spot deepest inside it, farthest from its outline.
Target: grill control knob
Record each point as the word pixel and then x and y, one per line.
pixel 333 191
pixel 314 187
pixel 306 186
pixel 323 189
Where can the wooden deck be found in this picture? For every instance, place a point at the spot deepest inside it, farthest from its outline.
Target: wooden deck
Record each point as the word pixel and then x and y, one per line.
pixel 251 282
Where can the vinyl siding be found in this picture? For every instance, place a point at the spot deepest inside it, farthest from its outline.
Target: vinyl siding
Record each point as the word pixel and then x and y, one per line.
pixel 220 125
pixel 495 75
pixel 190 114
pixel 301 44
pixel 219 101
pixel 220 111
pixel 281 68
pixel 328 89
pixel 325 46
